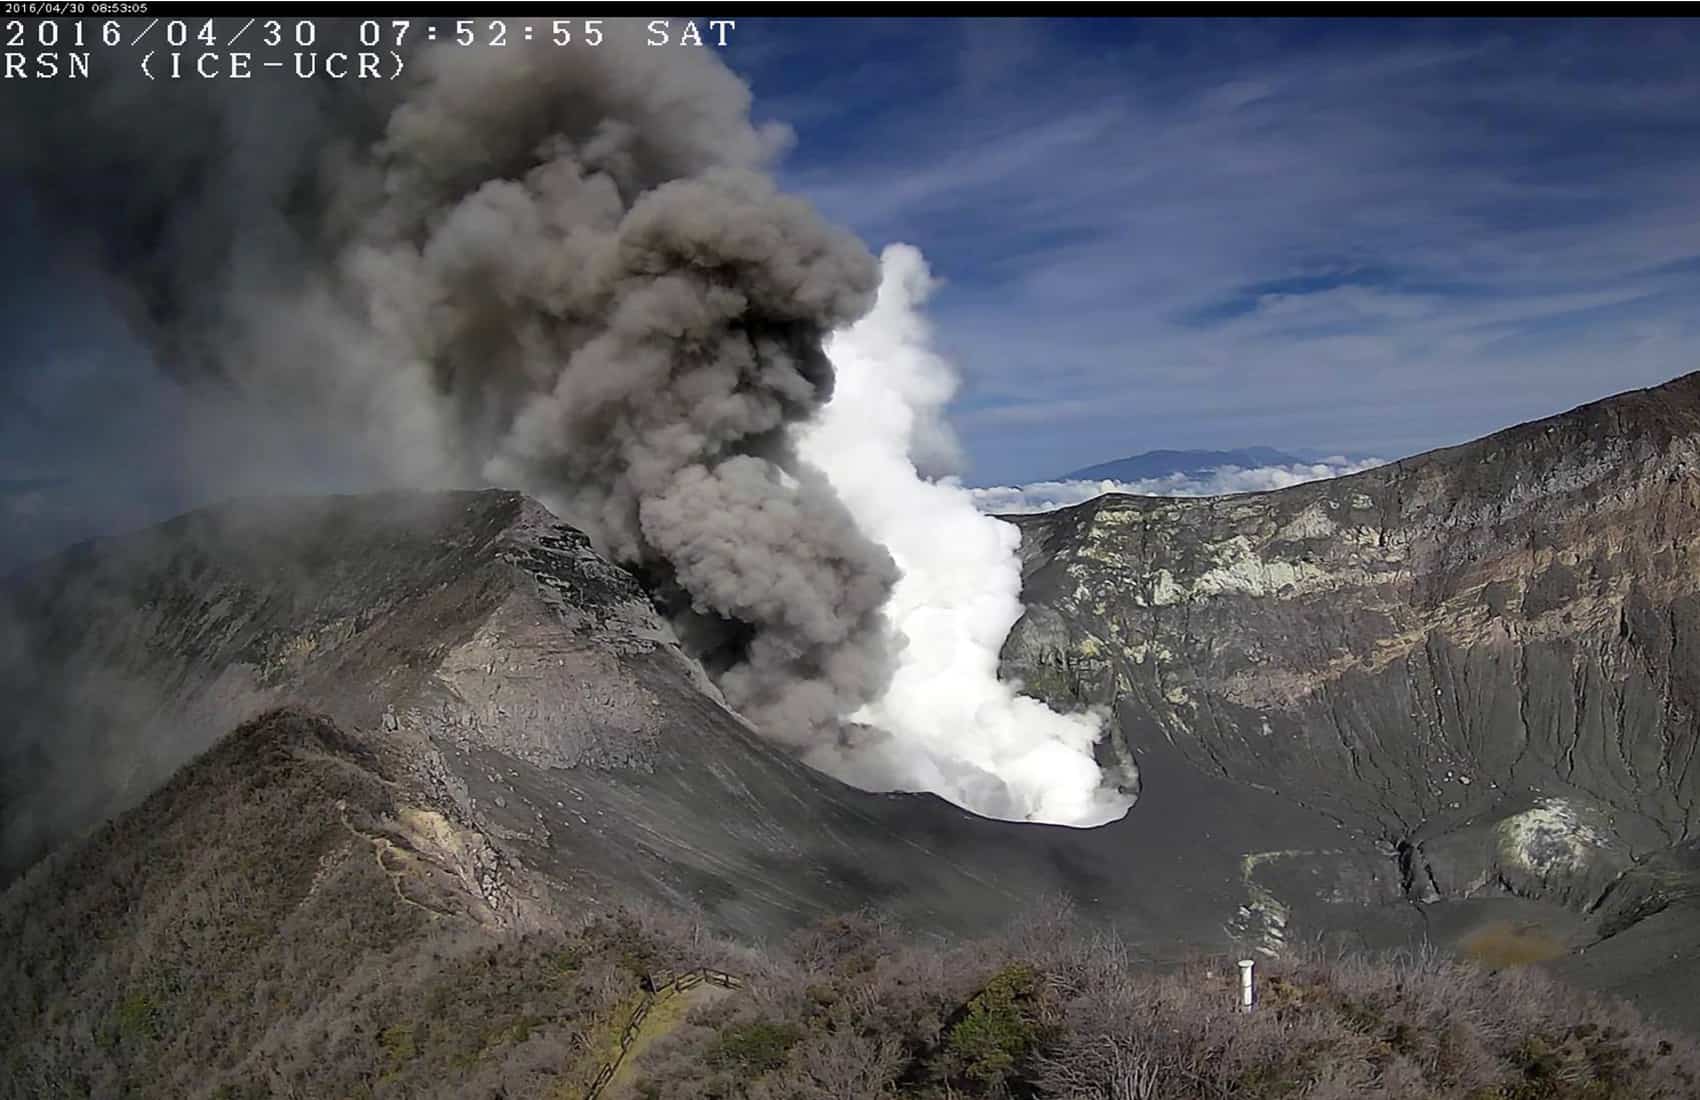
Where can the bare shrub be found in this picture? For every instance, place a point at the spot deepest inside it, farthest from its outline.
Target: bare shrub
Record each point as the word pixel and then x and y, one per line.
pixel 278 958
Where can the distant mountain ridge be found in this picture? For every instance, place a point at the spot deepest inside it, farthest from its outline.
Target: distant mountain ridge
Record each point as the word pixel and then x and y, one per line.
pixel 1152 464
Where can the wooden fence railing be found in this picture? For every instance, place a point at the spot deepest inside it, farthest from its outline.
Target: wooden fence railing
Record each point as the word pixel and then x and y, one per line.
pixel 661 986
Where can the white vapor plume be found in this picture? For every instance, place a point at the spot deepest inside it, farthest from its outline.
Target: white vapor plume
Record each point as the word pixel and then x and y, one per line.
pixel 1043 496
pixel 945 723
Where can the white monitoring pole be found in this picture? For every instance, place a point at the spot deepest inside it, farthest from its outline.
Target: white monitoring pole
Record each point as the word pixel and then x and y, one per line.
pixel 1246 984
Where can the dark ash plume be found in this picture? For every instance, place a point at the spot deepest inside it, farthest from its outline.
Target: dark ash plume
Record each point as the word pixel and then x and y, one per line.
pixel 563 271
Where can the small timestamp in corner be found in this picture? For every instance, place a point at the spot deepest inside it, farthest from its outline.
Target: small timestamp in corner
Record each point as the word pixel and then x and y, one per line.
pixel 100 7
pixel 40 40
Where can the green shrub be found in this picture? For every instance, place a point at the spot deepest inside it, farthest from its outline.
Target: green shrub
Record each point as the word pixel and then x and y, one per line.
pixel 136 1017
pixel 754 1048
pixel 398 1042
pixel 1000 1028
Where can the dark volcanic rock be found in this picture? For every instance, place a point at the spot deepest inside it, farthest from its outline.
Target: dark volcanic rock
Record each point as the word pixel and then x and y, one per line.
pixel 1481 662
pixel 1434 697
pixel 560 744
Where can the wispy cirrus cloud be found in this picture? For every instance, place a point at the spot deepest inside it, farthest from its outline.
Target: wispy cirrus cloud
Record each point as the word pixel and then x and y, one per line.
pixel 1375 236
pixel 1357 237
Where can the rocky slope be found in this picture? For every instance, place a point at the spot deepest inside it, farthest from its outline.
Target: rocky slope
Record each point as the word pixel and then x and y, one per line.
pixel 507 671
pixel 1481 662
pixel 1451 698
pixel 293 916
pixel 542 713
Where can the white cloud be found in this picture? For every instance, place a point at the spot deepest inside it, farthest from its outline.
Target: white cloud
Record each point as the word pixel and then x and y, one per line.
pixel 1489 223
pixel 1043 496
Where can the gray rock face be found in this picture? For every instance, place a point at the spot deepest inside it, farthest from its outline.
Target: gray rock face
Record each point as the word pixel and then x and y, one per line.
pixel 1481 662
pixel 1397 705
pixel 559 744
pixel 124 657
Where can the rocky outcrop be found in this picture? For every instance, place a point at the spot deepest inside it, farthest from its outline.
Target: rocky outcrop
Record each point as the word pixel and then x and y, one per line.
pixel 1483 662
pixel 1376 709
pixel 558 748
pixel 122 658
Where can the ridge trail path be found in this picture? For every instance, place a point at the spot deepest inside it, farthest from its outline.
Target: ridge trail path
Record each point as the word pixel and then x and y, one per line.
pixel 665 1015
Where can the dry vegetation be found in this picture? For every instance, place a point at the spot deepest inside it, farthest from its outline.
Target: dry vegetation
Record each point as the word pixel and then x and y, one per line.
pixel 853 1010
pixel 236 937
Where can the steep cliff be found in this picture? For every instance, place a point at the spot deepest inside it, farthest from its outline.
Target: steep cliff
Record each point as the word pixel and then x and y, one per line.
pixel 523 686
pixel 1481 662
pixel 525 692
pixel 1452 698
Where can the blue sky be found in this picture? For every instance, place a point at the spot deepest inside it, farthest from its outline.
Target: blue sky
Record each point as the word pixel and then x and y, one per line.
pixel 1365 236
pixel 1370 237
